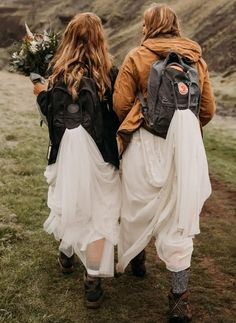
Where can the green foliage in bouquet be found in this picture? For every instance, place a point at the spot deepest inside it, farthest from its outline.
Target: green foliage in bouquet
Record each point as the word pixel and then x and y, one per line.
pixel 34 53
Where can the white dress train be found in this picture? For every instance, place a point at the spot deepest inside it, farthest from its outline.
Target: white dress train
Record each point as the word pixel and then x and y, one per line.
pixel 164 185
pixel 84 198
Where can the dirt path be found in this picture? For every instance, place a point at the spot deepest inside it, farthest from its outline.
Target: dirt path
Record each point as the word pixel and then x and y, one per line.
pixel 222 202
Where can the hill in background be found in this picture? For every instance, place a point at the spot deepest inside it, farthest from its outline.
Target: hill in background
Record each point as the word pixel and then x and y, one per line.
pixel 211 23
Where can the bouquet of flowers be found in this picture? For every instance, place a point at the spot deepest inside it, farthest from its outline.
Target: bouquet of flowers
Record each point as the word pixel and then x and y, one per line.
pixel 33 56
pixel 34 53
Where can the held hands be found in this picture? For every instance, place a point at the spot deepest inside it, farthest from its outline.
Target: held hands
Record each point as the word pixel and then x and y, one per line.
pixel 39 87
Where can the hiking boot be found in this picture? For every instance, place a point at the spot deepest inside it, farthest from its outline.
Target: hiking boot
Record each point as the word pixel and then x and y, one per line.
pixel 93 291
pixel 179 308
pixel 66 263
pixel 138 264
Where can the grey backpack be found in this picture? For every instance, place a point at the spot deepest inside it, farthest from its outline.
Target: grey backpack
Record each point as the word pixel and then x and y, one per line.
pixel 172 84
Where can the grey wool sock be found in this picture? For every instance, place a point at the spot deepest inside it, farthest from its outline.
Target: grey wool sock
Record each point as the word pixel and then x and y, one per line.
pixel 179 281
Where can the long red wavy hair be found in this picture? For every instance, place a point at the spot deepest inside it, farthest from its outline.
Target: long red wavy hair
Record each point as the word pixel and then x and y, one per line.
pixel 83 47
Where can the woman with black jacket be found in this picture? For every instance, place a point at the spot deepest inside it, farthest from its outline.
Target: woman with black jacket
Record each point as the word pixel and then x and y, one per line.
pixel 83 178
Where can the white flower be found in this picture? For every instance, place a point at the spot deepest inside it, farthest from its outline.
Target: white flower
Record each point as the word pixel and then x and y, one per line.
pixel 14 55
pixel 33 47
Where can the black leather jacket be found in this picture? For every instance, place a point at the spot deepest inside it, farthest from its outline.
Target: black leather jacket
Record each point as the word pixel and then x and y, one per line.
pixel 101 123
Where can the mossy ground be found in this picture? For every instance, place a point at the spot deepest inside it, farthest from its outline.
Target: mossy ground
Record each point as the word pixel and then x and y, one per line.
pixel 32 289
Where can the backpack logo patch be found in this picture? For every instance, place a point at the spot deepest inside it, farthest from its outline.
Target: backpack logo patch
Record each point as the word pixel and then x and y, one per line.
pixel 73 108
pixel 183 89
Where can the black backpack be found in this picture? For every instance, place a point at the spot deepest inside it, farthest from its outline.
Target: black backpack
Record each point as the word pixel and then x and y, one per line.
pixel 64 112
pixel 172 84
pixel 71 112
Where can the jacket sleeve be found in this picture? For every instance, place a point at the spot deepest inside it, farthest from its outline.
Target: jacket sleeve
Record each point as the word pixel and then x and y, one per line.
pixel 207 106
pixel 42 101
pixel 125 88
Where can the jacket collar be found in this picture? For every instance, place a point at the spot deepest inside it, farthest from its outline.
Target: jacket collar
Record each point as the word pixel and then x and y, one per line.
pixel 183 46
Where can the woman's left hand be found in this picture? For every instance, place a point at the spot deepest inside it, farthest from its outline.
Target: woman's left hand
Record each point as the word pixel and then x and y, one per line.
pixel 39 87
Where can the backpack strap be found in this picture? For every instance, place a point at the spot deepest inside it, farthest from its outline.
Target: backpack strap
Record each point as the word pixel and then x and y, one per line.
pixel 140 95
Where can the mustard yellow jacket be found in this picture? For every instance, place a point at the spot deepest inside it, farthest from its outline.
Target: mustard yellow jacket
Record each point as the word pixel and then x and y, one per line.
pixel 133 77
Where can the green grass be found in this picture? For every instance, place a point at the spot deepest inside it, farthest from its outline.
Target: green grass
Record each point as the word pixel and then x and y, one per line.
pixel 221 152
pixel 32 289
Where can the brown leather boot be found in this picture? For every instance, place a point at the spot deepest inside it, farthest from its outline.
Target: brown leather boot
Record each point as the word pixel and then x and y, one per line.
pixel 66 263
pixel 138 264
pixel 93 291
pixel 179 308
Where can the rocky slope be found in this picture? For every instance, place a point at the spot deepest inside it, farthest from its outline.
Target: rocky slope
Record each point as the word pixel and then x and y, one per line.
pixel 210 22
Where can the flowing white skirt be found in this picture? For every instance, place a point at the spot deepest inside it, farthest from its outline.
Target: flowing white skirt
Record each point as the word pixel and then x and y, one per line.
pixel 164 185
pixel 84 198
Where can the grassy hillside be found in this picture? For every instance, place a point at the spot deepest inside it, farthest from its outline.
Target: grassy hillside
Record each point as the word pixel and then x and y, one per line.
pixel 32 289
pixel 211 23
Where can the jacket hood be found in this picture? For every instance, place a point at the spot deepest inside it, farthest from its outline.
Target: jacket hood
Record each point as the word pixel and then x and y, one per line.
pixel 184 46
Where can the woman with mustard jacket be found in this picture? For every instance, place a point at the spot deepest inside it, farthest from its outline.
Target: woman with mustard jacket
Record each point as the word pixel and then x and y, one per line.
pixel 164 181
